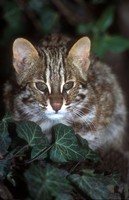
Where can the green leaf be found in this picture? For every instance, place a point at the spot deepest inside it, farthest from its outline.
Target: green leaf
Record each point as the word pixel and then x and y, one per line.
pixel 67 146
pixel 7 118
pixel 49 19
pixel 38 152
pixel 113 179
pixel 125 191
pixel 64 197
pixel 115 44
pixel 14 20
pixel 91 155
pixel 92 185
pixel 4 165
pixel 10 178
pixel 36 5
pixel 106 20
pixel 84 29
pixel 5 140
pixel 32 134
pixel 48 182
pixel 100 26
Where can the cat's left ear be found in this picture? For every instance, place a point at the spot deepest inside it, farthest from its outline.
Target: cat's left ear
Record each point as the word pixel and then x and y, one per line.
pixel 24 55
pixel 79 54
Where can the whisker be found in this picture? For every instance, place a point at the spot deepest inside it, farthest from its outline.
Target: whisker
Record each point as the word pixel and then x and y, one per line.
pixel 81 115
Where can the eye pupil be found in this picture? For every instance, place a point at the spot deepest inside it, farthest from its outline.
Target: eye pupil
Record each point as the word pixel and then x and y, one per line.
pixel 68 85
pixel 41 86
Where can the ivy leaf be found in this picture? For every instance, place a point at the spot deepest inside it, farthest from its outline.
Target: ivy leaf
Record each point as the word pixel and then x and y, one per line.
pixel 113 179
pixel 7 118
pixel 67 147
pixel 5 140
pixel 115 44
pixel 36 5
pixel 91 184
pixel 64 197
pixel 4 165
pixel 48 182
pixel 106 20
pixel 125 191
pixel 49 19
pixel 10 178
pixel 38 152
pixel 90 154
pixel 12 12
pixel 85 29
pixel 32 134
pixel 99 27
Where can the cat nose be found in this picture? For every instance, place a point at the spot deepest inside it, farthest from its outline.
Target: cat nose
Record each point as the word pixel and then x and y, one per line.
pixel 56 106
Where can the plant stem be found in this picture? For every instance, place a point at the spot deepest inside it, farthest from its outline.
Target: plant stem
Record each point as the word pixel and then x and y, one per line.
pixel 22 149
pixel 39 154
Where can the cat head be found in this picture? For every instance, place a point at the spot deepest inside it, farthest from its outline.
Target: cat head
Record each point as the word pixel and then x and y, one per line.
pixel 56 76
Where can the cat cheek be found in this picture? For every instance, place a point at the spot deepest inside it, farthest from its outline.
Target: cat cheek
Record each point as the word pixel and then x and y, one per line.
pixel 41 98
pixel 69 99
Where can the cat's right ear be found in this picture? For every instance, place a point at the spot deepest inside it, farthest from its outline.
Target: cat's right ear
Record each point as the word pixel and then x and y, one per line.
pixel 24 54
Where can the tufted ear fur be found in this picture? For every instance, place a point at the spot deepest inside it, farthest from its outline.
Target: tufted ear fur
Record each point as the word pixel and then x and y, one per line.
pixel 24 54
pixel 79 54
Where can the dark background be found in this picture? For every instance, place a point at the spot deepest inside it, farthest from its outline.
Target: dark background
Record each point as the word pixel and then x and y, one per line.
pixel 33 19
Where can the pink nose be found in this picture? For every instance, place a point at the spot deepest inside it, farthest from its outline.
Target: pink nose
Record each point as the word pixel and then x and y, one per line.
pixel 56 106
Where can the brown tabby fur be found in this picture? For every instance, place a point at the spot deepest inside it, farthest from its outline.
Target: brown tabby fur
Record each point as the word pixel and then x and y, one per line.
pixel 94 105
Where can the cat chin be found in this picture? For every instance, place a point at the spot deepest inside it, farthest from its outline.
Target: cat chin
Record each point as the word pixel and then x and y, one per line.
pixel 56 116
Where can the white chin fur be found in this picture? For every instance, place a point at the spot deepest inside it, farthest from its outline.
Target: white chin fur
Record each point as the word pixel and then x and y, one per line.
pixel 55 116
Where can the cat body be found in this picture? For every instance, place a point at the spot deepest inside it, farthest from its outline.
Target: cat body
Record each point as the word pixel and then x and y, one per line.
pixel 57 82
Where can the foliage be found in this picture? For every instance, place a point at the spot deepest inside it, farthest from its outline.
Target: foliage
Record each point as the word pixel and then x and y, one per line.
pixel 48 182
pixel 49 169
pixel 91 184
pixel 103 42
pixel 44 17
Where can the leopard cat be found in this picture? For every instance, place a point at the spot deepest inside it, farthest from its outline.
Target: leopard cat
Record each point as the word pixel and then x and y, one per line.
pixel 60 81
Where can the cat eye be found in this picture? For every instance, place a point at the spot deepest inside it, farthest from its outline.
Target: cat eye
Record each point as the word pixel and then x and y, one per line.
pixel 68 85
pixel 41 86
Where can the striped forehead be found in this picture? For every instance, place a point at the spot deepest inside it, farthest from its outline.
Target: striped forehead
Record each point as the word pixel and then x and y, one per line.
pixel 54 69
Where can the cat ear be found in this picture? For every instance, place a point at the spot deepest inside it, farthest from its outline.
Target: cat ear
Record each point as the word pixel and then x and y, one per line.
pixel 24 54
pixel 79 54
